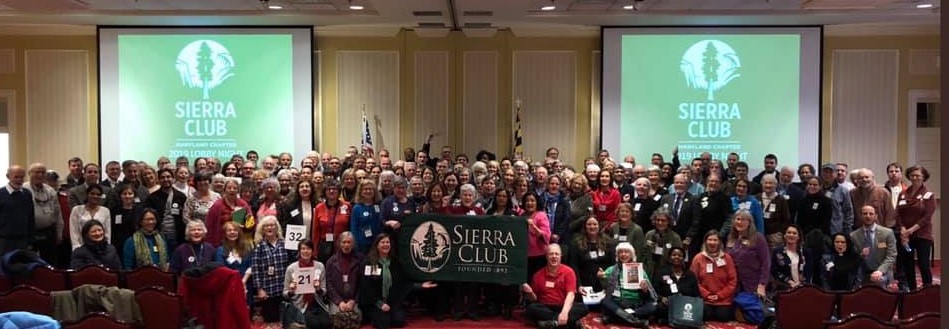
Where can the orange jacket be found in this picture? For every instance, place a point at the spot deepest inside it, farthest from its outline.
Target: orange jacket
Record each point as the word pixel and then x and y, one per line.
pixel 722 282
pixel 322 217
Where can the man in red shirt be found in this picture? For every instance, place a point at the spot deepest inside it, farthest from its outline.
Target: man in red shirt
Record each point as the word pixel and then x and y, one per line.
pixel 552 291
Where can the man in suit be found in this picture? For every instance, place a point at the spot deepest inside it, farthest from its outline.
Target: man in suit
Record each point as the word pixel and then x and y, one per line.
pixel 77 194
pixel 679 203
pixel 877 245
pixel 790 191
pixel 112 172
pixel 17 219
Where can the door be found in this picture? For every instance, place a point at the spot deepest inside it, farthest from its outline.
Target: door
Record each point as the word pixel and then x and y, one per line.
pixel 7 104
pixel 925 122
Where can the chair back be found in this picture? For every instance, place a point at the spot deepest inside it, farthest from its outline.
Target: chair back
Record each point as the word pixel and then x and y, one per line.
pixel 870 299
pixel 26 299
pixel 93 274
pixel 820 307
pixel 98 320
pixel 148 276
pixel 920 301
pixel 928 320
pixel 5 283
pixel 48 279
pixel 161 309
pixel 861 321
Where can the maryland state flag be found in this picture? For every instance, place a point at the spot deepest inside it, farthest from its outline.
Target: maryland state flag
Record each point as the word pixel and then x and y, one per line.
pixel 518 132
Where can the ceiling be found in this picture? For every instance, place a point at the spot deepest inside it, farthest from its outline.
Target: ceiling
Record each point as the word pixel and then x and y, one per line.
pixel 523 17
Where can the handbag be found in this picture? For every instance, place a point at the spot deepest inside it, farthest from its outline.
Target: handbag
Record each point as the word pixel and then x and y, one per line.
pixel 686 311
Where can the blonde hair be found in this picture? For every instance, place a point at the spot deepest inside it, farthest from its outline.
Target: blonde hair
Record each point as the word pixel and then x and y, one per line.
pixel 376 196
pixel 259 234
pixel 242 245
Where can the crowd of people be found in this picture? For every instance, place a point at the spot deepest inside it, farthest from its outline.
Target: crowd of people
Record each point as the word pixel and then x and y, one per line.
pixel 703 229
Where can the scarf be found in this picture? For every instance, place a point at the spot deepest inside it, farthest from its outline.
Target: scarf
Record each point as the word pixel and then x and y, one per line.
pixel 386 277
pixel 303 263
pixel 143 256
pixel 551 200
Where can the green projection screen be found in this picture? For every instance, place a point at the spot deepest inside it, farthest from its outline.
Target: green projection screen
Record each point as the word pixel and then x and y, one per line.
pixel 747 90
pixel 204 92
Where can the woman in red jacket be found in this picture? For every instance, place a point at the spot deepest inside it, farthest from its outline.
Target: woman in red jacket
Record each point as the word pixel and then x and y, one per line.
pixel 605 199
pixel 914 215
pixel 717 277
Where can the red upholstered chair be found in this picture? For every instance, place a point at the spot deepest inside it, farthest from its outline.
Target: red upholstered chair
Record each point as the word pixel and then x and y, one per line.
pixel 820 307
pixel 861 321
pixel 148 276
pixel 161 309
pixel 98 321
pixel 93 275
pixel 48 279
pixel 869 299
pixel 920 301
pixel 26 299
pixel 928 320
pixel 5 283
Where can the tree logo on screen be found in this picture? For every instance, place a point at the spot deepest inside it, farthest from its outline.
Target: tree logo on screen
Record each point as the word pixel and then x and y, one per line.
pixel 204 64
pixel 710 65
pixel 430 247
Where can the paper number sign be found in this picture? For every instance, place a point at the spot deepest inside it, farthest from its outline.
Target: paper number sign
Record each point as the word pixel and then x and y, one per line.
pixel 304 280
pixel 295 234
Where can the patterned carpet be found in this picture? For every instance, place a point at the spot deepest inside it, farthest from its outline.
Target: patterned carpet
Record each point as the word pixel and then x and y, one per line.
pixel 419 320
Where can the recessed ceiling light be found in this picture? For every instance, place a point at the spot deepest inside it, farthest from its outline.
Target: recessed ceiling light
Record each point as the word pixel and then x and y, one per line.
pixel 924 5
pixel 548 7
pixel 275 7
pixel 629 7
pixel 356 7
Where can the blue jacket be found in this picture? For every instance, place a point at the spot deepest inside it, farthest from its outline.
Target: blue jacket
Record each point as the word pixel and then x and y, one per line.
pixel 27 320
pixel 365 219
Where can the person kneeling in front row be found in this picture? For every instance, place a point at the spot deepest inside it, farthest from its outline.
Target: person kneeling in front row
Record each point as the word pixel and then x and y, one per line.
pixel 552 291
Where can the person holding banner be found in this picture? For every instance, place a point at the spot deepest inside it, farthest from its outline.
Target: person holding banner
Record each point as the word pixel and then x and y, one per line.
pixel 538 232
pixel 397 206
pixel 343 275
pixel 552 293
pixel 383 287
pixel 305 286
pixel 630 297
pixel 466 294
pixel 270 257
pixel 331 216
pixel 366 221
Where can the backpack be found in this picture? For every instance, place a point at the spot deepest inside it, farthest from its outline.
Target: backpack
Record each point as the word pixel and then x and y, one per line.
pixel 749 308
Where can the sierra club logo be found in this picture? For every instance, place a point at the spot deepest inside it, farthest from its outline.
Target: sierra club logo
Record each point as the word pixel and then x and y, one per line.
pixel 204 64
pixel 430 247
pixel 710 65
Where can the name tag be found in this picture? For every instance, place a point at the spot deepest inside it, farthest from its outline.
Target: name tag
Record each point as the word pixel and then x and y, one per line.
pixel 549 284
pixel 367 232
pixel 342 211
pixel 902 203
pixel 294 212
pixel 621 238
pixel 592 254
pixel 377 271
pixel 137 200
pixel 471 213
pixel 271 270
pixel 118 219
pixel 787 197
pixel 674 288
pixel 154 248
pixel 772 207
pixel 376 207
pixel 657 251
pixel 345 278
pixel 708 268
pixel 881 245
pixel 657 197
pixel 637 206
pixel 767 215
pixel 829 265
pixel 720 262
pixel 329 237
pixel 829 194
pixel 927 195
pixel 368 270
pixel 815 205
pixel 602 208
pixel 175 211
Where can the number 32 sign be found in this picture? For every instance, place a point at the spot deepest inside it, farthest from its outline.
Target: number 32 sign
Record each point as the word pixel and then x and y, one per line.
pixel 295 234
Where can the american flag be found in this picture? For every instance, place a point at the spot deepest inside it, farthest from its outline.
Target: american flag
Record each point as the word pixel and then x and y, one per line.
pixel 366 136
pixel 518 133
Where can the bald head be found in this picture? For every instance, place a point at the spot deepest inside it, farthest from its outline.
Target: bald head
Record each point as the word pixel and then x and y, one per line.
pixel 15 175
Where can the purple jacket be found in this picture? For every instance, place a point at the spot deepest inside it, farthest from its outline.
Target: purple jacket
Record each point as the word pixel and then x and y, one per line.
pixel 336 288
pixel 753 263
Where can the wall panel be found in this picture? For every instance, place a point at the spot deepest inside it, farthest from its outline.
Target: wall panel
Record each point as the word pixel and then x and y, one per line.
pixel 545 82
pixel 369 78
pixel 432 84
pixel 480 99
pixel 57 106
pixel 865 97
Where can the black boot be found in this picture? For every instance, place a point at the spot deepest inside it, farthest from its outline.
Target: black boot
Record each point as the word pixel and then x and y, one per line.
pixel 629 318
pixel 550 324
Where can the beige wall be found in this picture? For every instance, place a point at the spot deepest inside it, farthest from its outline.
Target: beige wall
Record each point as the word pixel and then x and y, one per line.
pixel 906 81
pixel 414 111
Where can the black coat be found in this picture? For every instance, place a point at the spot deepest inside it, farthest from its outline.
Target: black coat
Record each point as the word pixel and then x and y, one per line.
pixel 86 255
pixel 687 285
pixel 157 201
pixel 688 212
